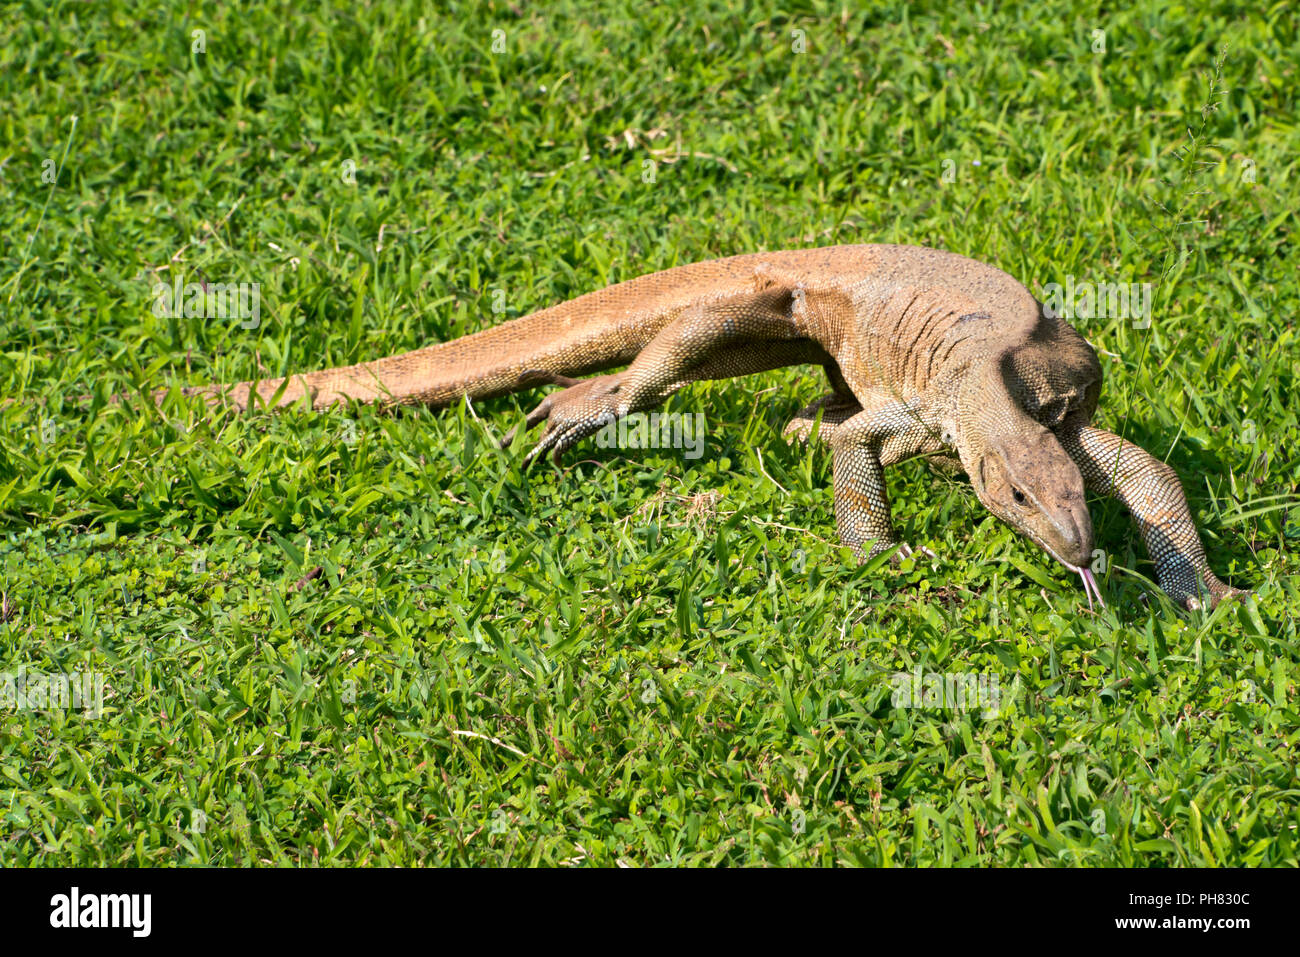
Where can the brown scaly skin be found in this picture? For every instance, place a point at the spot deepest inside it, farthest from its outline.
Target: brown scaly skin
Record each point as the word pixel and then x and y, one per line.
pixel 926 351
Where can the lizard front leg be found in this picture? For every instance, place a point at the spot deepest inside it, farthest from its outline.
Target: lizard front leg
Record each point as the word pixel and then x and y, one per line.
pixel 732 336
pixel 1150 490
pixel 836 409
pixel 884 432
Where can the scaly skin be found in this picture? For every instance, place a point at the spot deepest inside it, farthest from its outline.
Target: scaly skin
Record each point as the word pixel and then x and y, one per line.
pixel 926 352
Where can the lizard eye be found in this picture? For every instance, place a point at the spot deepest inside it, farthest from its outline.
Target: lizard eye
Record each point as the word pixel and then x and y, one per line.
pixel 1018 495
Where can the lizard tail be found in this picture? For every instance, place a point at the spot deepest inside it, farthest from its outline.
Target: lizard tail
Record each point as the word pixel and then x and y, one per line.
pixel 534 350
pixel 589 334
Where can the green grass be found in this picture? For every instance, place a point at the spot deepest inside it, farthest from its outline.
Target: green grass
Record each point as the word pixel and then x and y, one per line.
pixel 641 659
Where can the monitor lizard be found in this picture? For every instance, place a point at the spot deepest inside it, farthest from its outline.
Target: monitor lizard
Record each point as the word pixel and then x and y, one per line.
pixel 927 352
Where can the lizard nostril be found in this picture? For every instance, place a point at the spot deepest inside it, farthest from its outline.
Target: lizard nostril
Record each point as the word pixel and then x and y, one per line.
pixel 1076 535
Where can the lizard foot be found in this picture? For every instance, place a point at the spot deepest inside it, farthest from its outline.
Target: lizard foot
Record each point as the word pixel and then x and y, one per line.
pixel 903 550
pixel 835 410
pixel 1193 588
pixel 1216 592
pixel 907 551
pixel 572 414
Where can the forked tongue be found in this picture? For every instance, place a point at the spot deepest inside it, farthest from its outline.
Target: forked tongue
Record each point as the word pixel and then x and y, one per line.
pixel 1090 587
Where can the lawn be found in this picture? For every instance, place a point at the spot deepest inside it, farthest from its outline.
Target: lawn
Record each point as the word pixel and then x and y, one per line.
pixel 373 638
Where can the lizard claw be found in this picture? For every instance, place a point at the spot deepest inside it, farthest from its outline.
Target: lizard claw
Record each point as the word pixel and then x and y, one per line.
pixel 907 551
pixel 902 550
pixel 575 412
pixel 1216 595
pixel 538 414
pixel 559 438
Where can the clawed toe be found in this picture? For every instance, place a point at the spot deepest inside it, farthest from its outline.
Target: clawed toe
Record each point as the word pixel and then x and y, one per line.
pixel 907 551
pixel 581 409
pixel 1217 597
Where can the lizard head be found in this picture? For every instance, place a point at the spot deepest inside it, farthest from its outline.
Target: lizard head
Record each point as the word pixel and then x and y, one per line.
pixel 1024 476
pixel 1035 487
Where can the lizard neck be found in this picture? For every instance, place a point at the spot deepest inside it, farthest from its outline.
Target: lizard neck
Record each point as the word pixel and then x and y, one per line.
pixel 987 414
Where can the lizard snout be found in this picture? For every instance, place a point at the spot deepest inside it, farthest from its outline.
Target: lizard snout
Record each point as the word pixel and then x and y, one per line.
pixel 1072 533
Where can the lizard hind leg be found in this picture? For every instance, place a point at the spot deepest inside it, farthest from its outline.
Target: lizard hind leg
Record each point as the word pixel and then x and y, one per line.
pixel 715 338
